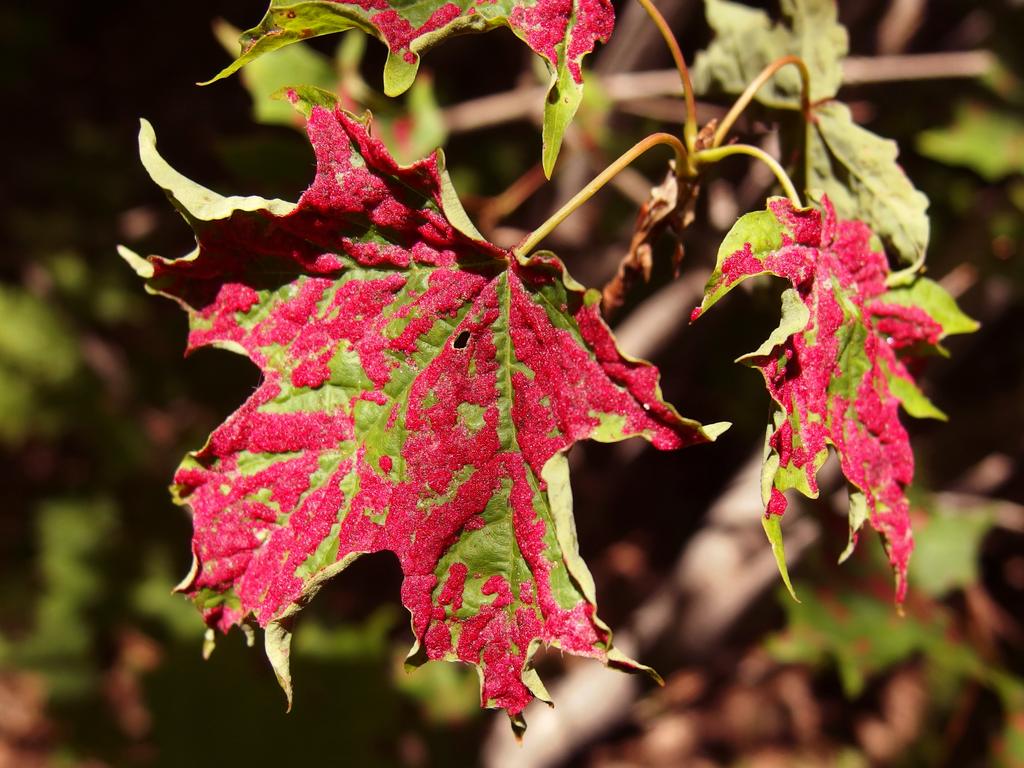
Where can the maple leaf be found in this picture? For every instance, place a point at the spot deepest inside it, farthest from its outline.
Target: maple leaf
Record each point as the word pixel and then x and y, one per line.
pixel 561 32
pixel 420 388
pixel 836 365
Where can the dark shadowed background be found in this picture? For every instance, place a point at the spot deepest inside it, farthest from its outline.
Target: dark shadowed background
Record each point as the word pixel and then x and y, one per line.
pixel 100 664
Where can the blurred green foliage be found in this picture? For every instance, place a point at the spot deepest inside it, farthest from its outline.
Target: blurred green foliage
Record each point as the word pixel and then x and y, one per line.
pixel 983 139
pixel 411 127
pixel 846 621
pixel 72 534
pixel 38 359
pixel 987 131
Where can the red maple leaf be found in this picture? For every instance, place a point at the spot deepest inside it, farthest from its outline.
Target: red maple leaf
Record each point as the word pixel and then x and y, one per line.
pixel 420 387
pixel 834 367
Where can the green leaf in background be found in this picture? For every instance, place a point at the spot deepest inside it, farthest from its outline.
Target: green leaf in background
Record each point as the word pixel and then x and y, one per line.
pixel 747 40
pixel 1009 747
pixel 985 139
pixel 355 642
pixel 418 129
pixel 103 295
pixel 38 357
pixel 835 365
pixel 152 600
pixel 857 169
pixel 863 637
pixel 859 172
pixel 289 66
pixel 420 386
pixel 72 535
pixel 946 549
pixel 850 626
pixel 561 32
pixel 411 129
pixel 446 693
pixel 857 632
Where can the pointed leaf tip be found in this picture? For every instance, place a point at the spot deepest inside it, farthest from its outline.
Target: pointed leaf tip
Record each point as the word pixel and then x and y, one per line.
pixel 518 723
pixel 195 202
pixel 772 525
pixel 209 643
pixel 278 642
pixel 141 266
pixel 714 430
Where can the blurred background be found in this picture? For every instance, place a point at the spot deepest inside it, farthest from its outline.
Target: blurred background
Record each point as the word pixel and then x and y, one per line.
pixel 100 665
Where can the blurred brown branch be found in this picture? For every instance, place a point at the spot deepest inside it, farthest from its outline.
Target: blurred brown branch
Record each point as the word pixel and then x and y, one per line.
pixel 625 87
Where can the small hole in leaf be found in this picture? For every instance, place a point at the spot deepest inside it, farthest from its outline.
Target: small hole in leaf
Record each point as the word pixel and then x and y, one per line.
pixel 461 340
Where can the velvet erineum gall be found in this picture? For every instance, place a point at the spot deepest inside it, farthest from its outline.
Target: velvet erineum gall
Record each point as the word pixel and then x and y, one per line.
pixel 420 388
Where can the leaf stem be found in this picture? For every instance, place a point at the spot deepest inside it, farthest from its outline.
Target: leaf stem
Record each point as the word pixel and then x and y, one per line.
pixel 599 181
pixel 707 156
pixel 905 275
pixel 756 84
pixel 690 126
